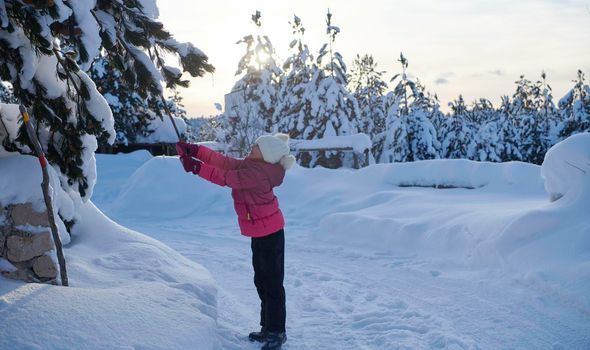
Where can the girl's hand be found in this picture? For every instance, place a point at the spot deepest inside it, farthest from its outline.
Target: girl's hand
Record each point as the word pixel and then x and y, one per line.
pixel 190 165
pixel 186 149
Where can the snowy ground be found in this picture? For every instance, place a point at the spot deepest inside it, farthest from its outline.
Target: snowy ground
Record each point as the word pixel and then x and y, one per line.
pixel 372 265
pixel 447 254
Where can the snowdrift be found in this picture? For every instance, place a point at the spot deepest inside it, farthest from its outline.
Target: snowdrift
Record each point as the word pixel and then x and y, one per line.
pixel 127 290
pixel 463 212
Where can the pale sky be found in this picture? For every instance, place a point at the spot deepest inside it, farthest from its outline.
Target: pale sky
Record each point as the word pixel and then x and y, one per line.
pixel 477 48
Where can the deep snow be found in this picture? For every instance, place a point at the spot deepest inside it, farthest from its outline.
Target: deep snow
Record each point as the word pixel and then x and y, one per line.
pixel 126 290
pixel 389 256
pixel 448 254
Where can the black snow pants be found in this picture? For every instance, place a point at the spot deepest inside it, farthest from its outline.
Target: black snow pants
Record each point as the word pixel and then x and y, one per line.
pixel 268 259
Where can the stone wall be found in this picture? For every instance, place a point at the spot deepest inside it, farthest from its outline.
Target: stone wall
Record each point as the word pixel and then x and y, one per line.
pixel 25 240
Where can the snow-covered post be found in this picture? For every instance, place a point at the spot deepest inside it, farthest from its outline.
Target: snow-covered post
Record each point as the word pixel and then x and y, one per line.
pixel 47 196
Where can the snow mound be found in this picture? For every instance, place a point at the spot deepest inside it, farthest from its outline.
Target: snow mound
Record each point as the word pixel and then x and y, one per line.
pixel 451 212
pixel 566 168
pixel 460 173
pixel 127 291
pixel 114 172
pixel 161 189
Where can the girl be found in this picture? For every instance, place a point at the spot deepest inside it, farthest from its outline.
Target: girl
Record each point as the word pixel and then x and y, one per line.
pixel 252 181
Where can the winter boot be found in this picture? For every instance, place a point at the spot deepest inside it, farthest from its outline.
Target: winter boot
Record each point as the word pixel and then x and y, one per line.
pixel 258 336
pixel 274 341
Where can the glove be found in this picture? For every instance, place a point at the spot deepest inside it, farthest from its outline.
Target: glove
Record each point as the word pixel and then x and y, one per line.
pixel 188 149
pixel 190 165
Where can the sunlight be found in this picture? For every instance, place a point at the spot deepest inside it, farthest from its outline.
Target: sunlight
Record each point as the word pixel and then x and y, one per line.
pixel 261 59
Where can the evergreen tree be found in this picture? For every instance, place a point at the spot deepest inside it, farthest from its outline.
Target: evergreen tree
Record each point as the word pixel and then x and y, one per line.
pixel 334 111
pixel 498 138
pixel 409 134
pixel 296 93
pixel 524 114
pixel 368 87
pixel 536 117
pixel 437 117
pixel 457 132
pixel 255 93
pixel 482 111
pixel 135 116
pixel 46 48
pixel 575 109
pixel 131 112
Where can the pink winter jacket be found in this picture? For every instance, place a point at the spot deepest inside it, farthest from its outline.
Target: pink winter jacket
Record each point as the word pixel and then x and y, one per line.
pixel 252 184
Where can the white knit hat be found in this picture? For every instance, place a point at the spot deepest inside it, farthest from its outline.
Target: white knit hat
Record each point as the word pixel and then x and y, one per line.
pixel 275 149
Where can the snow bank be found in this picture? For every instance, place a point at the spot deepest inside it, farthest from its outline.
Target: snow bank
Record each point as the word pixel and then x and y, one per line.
pixel 114 172
pixel 127 291
pixel 481 213
pixel 566 168
pixel 161 189
pixel 449 212
pixel 342 202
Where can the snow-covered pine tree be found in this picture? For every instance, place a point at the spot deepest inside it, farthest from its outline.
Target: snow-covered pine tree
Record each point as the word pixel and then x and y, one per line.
pixel 509 132
pixel 547 114
pixel 334 110
pixel 482 111
pixel 46 48
pixel 574 109
pixel 131 112
pixel 367 86
pixel 522 111
pixel 257 90
pixel 456 134
pixel 437 117
pixel 535 113
pixel 409 134
pixel 424 109
pixel 498 138
pixel 295 92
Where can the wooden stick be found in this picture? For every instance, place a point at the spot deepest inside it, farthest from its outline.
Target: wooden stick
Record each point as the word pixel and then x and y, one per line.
pixel 48 201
